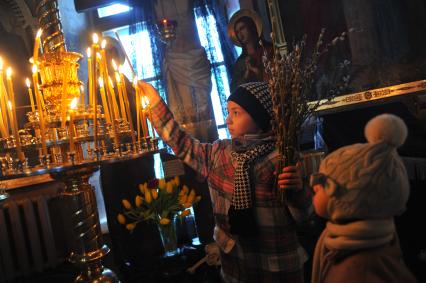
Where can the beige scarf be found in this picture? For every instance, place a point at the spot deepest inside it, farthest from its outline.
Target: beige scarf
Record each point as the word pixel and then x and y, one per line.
pixel 351 236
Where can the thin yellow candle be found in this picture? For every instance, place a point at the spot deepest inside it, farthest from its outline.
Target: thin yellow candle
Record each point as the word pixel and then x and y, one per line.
pixel 40 108
pixel 89 72
pixel 138 122
pixel 73 107
pixel 12 108
pixel 37 46
pixel 143 117
pixel 4 134
pixel 150 117
pixel 95 108
pixel 3 99
pixel 120 96
pixel 113 98
pixel 104 100
pixel 124 92
pixel 30 94
pixel 82 94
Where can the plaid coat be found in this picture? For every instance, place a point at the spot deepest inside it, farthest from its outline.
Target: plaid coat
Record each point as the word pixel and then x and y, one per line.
pixel 275 255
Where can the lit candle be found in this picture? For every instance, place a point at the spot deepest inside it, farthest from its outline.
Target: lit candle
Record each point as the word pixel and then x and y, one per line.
pixel 12 108
pixel 37 46
pixel 120 96
pixel 95 108
pixel 150 117
pixel 30 94
pixel 138 122
pixel 73 106
pixel 143 117
pixel 114 100
pixel 39 100
pixel 104 101
pixel 89 72
pixel 3 99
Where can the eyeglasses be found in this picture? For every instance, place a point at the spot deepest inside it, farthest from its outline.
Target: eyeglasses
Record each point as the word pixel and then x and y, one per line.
pixel 317 179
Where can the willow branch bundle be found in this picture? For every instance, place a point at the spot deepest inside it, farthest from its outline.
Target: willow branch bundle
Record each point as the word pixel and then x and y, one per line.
pixel 292 79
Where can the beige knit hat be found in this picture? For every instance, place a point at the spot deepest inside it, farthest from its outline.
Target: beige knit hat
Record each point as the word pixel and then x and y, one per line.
pixel 368 181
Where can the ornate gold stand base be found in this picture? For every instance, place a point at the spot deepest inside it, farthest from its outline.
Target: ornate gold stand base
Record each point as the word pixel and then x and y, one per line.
pixel 83 227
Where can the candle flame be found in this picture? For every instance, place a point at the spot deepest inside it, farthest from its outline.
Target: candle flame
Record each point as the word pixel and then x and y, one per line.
pixel 114 65
pixel 9 72
pixel 27 82
pixel 117 77
pixel 34 68
pixel 73 104
pixel 144 103
pixel 1 64
pixel 31 60
pixel 81 88
pixel 9 104
pixel 103 44
pixel 95 38
pixel 89 52
pixel 98 55
pixel 39 32
pixel 101 82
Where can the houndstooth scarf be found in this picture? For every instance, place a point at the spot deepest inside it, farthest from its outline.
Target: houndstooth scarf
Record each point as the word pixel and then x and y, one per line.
pixel 241 198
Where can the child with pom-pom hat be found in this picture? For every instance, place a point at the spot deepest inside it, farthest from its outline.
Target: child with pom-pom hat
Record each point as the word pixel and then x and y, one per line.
pixel 359 189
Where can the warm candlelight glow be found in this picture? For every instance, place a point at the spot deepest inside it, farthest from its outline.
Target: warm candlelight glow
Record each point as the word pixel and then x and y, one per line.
pixel 9 104
pixel 89 52
pixel 73 104
pixel 30 93
pixel 1 64
pixel 103 44
pixel 34 69
pixel 135 82
pixel 95 38
pixel 114 65
pixel 39 32
pixel 101 82
pixel 8 72
pixel 117 78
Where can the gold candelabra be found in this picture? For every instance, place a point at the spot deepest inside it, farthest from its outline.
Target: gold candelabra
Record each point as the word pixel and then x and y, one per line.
pixel 68 138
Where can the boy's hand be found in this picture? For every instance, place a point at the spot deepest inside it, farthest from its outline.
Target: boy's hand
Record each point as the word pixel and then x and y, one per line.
pixel 290 179
pixel 150 92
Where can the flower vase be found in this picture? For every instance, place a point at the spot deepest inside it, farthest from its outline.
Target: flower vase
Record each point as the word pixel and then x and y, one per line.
pixel 169 238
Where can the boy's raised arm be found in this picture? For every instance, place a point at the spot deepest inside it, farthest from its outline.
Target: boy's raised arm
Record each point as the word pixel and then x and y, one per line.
pixel 194 153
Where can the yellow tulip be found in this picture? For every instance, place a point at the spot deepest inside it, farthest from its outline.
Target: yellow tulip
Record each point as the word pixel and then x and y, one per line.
pixel 148 197
pixel 182 199
pixel 169 187
pixel 154 193
pixel 177 181
pixel 184 190
pixel 121 219
pixel 126 204
pixel 130 226
pixel 191 196
pixel 162 184
pixel 185 213
pixel 138 201
pixel 142 187
pixel 164 221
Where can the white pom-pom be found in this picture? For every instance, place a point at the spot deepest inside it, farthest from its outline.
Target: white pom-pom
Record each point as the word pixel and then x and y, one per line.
pixel 386 128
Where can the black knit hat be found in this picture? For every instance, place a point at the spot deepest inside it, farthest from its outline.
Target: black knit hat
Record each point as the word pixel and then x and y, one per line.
pixel 255 98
